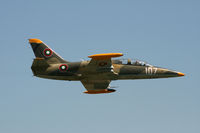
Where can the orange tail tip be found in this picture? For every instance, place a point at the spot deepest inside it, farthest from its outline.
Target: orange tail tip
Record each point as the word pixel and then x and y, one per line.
pixel 34 40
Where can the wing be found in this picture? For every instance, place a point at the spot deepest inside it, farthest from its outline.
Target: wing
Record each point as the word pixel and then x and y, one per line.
pixel 101 62
pixel 98 73
pixel 97 86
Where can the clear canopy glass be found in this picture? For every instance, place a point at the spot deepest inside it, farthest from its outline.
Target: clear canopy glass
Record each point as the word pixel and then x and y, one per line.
pixel 131 62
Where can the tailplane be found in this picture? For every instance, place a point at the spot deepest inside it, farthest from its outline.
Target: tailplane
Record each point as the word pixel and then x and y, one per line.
pixel 41 50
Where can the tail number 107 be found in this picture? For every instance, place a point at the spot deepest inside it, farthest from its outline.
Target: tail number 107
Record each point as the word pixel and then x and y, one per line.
pixel 151 70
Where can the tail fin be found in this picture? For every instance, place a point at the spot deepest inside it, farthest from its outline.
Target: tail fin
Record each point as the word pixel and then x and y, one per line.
pixel 41 50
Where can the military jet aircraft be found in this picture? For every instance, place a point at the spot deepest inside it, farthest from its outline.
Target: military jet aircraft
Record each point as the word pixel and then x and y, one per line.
pixel 95 74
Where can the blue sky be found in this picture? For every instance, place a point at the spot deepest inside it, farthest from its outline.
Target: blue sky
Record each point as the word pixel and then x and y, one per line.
pixel 163 33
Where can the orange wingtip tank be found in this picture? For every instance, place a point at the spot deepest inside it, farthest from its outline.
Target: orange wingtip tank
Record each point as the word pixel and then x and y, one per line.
pixel 105 56
pixel 100 92
pixel 34 40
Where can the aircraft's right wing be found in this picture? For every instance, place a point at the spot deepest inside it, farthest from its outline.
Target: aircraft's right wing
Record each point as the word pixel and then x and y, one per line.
pixel 97 72
pixel 97 86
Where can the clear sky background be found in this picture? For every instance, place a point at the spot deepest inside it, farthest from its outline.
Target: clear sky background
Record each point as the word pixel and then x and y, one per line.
pixel 164 33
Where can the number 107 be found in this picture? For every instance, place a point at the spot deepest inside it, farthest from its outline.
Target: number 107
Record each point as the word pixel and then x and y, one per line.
pixel 151 70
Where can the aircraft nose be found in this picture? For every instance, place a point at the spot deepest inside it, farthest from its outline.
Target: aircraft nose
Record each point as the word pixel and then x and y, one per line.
pixel 176 74
pixel 180 74
pixel 170 73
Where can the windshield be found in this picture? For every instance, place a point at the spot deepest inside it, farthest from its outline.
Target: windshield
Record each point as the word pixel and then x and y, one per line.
pixel 131 62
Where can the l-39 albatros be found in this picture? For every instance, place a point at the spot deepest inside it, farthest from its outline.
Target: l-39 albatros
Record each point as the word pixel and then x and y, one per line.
pixel 95 74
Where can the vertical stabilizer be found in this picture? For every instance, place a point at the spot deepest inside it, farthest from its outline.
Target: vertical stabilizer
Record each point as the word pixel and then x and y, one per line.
pixel 41 50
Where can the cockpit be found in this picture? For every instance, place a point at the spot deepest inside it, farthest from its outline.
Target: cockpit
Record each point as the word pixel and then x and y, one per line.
pixel 131 62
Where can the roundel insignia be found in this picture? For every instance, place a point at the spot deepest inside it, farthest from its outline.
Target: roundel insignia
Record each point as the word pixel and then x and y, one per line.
pixel 63 67
pixel 48 52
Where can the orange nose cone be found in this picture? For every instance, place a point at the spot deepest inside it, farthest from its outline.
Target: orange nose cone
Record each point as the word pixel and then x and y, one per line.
pixel 181 74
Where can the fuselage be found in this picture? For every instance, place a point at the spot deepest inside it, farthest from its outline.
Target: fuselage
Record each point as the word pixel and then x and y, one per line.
pixel 78 71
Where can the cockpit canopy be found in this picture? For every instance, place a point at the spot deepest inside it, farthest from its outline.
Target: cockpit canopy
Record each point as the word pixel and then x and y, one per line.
pixel 131 62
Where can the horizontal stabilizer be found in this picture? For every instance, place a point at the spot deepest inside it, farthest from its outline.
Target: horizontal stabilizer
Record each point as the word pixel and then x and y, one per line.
pixel 39 66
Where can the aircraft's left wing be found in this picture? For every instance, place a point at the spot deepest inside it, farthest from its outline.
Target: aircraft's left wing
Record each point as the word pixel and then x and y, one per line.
pixel 101 62
pixel 97 86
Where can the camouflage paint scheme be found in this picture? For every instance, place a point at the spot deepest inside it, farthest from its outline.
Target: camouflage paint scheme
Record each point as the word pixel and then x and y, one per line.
pixel 95 74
